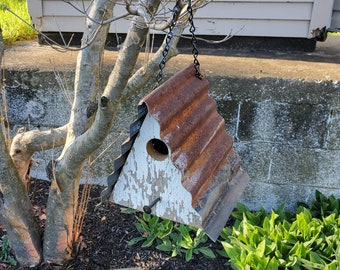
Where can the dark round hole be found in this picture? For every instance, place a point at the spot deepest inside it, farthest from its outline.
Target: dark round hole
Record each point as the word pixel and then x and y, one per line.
pixel 157 149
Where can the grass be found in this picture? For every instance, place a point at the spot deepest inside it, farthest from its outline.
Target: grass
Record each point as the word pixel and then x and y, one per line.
pixel 13 29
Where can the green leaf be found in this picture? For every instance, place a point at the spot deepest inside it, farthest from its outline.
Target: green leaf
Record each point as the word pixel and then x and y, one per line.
pixel 184 233
pixel 135 240
pixel 174 253
pixel 207 252
pixel 149 241
pixel 232 251
pixel 128 211
pixel 242 207
pixel 188 255
pixel 315 258
pixel 266 224
pixel 273 264
pixel 164 247
pixel 311 265
pixel 153 223
pixel 186 245
pixel 142 226
pixel 261 248
pixel 164 228
pixel 12 260
pixel 292 261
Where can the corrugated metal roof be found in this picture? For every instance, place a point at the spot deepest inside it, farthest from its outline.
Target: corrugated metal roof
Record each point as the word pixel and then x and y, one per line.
pixel 191 128
pixel 199 145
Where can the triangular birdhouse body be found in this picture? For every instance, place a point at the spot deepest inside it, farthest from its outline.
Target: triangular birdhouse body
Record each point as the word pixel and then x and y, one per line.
pixel 178 161
pixel 148 175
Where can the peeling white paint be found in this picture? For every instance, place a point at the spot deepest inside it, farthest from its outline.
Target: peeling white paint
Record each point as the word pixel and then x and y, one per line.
pixel 144 179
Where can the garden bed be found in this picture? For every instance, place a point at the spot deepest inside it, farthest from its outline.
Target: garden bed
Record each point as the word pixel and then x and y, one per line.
pixel 105 237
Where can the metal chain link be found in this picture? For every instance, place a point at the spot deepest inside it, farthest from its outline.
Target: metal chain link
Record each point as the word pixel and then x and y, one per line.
pixel 175 13
pixel 194 41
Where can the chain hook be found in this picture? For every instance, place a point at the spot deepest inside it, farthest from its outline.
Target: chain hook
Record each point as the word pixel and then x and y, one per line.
pixel 175 14
pixel 192 30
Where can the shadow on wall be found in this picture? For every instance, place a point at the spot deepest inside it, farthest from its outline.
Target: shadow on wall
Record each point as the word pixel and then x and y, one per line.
pixel 286 131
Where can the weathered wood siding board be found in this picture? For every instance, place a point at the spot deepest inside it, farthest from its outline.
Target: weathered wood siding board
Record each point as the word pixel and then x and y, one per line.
pixel 246 28
pixel 276 18
pixel 256 11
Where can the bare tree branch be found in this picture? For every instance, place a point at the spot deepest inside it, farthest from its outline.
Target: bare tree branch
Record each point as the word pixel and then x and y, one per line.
pixel 147 72
pixel 25 144
pixel 103 22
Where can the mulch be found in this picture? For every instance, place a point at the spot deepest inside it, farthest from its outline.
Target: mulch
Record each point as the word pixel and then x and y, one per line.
pixel 104 240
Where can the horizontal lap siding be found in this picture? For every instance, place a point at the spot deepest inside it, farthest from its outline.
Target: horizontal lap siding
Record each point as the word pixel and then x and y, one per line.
pixel 254 18
pixel 250 28
pixel 276 18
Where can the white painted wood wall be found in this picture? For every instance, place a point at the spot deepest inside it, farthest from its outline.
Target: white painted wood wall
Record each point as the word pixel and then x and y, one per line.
pixel 263 18
pixel 335 23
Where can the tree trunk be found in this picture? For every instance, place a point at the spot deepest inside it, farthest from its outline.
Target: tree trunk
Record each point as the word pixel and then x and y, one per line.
pixel 81 136
pixel 16 214
pixel 67 169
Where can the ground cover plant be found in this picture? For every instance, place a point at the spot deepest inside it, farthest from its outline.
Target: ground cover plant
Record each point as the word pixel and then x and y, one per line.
pixel 307 239
pixel 168 236
pixel 14 29
pixel 111 238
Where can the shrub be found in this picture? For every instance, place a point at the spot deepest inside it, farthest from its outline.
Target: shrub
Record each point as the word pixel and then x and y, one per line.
pixel 310 239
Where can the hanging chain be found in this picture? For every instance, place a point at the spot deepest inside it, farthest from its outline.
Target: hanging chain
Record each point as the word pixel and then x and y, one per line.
pixel 175 14
pixel 192 29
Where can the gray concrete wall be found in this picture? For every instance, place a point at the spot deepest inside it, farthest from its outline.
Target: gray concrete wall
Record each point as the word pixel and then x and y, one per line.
pixel 286 131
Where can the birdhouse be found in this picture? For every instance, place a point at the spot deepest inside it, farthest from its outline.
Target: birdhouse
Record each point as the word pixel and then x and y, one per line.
pixel 178 162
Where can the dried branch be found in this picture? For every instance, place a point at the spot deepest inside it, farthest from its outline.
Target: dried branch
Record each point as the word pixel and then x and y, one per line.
pixel 103 22
pixel 147 72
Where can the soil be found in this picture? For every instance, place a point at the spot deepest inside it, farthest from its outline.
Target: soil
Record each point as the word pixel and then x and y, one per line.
pixel 104 240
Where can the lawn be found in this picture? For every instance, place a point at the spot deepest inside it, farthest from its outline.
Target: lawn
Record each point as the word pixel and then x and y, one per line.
pixel 13 29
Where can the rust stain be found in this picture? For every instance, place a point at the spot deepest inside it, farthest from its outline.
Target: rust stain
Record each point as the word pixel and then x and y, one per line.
pixel 191 127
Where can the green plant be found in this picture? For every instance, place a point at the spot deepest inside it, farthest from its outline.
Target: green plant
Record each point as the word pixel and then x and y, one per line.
pixel 176 239
pixel 5 251
pixel 151 229
pixel 187 240
pixel 323 206
pixel 279 240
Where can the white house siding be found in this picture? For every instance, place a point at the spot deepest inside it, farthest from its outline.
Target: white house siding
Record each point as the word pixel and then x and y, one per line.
pixel 335 23
pixel 271 18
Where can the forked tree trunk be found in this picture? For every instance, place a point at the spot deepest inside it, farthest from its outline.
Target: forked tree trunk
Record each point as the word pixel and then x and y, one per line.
pixel 67 169
pixel 81 137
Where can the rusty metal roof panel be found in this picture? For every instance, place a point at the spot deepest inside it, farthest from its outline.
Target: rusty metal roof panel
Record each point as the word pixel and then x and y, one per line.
pixel 190 126
pixel 200 147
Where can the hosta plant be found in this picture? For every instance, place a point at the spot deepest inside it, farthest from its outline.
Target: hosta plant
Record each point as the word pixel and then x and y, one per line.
pixel 165 235
pixel 310 239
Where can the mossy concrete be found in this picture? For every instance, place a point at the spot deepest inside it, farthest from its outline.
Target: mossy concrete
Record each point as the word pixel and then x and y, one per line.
pixel 286 128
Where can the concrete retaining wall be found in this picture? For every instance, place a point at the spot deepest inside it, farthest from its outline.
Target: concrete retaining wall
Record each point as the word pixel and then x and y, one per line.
pixel 286 131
